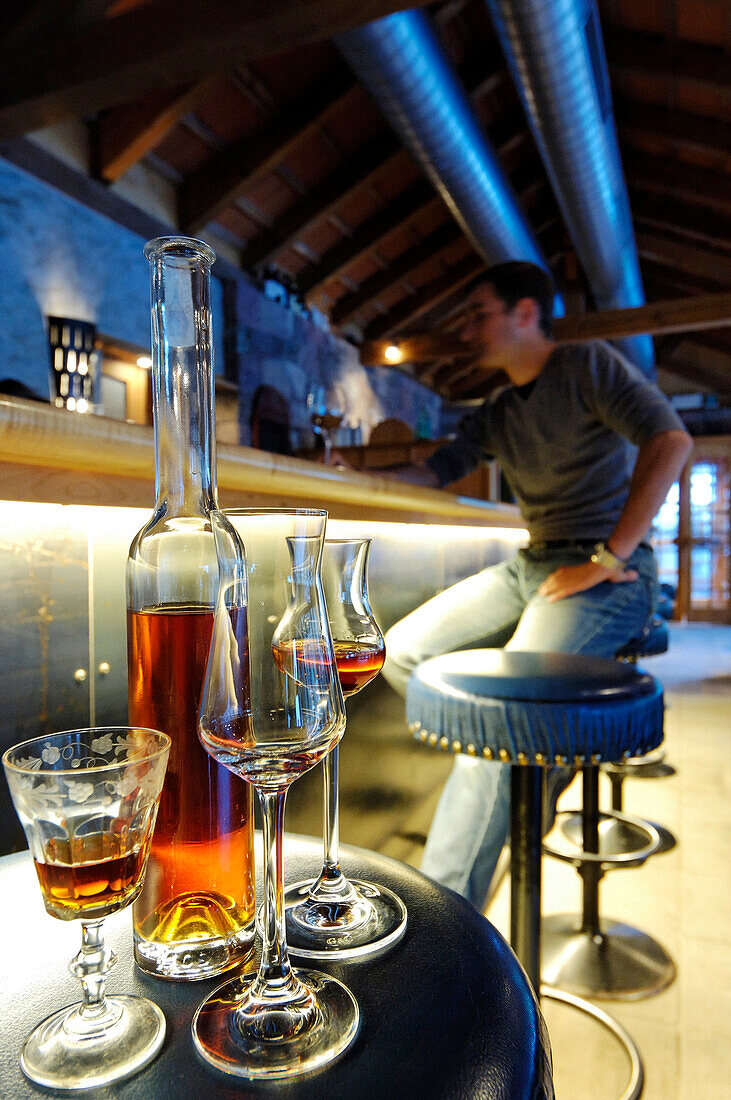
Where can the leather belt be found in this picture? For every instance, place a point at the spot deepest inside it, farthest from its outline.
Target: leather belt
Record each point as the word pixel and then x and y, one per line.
pixel 563 544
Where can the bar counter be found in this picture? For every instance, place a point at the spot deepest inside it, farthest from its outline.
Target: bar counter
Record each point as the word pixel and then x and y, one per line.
pixel 59 457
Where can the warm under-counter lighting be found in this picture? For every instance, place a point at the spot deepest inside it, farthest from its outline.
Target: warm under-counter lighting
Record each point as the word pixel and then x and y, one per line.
pixel 145 362
pixel 393 353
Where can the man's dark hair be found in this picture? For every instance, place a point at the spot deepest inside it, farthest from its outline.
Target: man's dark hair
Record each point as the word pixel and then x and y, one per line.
pixel 520 279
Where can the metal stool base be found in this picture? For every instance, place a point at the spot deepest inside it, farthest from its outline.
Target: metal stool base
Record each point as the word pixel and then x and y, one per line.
pixel 614 838
pixel 620 964
pixel 637 1069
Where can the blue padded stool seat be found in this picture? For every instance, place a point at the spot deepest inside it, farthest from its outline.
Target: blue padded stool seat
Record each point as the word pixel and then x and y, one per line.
pixel 535 708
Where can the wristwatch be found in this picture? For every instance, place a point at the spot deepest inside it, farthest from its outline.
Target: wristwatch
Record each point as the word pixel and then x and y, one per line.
pixel 602 555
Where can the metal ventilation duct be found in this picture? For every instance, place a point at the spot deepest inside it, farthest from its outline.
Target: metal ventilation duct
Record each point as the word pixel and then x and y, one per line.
pixel 555 52
pixel 401 63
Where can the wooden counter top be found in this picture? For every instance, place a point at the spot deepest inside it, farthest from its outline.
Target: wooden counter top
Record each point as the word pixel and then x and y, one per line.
pixel 52 455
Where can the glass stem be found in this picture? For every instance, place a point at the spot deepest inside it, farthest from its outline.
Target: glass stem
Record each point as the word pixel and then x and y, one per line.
pixel 91 966
pixel 331 814
pixel 274 966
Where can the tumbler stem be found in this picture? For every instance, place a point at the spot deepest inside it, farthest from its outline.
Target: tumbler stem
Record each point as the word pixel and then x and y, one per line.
pixel 275 966
pixel 91 966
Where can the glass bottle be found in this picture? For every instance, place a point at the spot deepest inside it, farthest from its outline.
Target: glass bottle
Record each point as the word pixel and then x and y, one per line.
pixel 194 917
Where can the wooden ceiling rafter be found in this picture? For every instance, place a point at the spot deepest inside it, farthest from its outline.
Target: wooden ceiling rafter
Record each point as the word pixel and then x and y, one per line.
pixel 692 221
pixel 413 306
pixel 685 315
pixel 672 60
pixel 698 262
pixel 350 305
pixel 662 175
pixel 698 375
pixel 417 198
pixel 122 136
pixel 220 181
pixel 681 128
pixel 376 156
pixel 158 45
pixel 366 238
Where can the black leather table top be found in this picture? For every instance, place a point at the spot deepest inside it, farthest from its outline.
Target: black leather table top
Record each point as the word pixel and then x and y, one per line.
pixel 447 1014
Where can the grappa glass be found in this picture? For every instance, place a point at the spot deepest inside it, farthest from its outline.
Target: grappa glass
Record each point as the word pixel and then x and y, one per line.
pixel 271 709
pixel 326 414
pixel 336 917
pixel 87 800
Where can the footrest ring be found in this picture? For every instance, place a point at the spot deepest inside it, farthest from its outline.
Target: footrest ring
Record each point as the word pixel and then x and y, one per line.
pixel 637 1069
pixel 640 839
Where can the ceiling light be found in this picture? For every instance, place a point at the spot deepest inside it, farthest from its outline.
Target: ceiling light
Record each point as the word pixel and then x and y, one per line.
pixel 393 353
pixel 144 361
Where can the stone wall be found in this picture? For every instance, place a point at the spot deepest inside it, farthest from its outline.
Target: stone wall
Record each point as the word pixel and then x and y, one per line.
pixel 275 345
pixel 61 258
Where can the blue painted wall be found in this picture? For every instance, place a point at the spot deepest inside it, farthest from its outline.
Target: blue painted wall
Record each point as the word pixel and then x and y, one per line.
pixel 57 257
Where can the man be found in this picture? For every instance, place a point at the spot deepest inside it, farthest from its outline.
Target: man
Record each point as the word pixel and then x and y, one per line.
pixel 566 431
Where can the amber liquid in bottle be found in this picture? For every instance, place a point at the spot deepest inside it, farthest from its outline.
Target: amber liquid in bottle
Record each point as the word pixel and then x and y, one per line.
pixel 194 917
pixel 204 828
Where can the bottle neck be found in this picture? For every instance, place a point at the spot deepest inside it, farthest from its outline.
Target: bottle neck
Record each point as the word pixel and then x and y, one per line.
pixel 182 387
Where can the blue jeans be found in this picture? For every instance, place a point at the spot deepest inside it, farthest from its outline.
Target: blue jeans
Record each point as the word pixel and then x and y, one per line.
pixel 472 820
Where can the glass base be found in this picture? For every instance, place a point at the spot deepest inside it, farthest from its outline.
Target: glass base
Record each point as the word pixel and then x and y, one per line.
pixel 193 959
pixel 67 1051
pixel 246 1036
pixel 371 921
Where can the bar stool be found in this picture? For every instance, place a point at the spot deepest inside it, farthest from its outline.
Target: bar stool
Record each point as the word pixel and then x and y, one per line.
pixel 622 839
pixel 651 642
pixel 535 710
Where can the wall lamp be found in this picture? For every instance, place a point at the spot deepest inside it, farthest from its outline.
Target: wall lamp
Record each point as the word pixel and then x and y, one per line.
pixel 73 363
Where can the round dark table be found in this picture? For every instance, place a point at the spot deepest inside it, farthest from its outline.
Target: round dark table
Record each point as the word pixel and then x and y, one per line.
pixel 447 1014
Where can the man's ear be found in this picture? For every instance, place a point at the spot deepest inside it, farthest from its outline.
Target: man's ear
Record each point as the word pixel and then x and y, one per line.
pixel 527 312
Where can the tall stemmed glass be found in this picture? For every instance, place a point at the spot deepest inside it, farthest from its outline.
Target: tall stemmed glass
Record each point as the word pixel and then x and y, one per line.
pixel 271 709
pixel 326 414
pixel 87 800
pixel 336 917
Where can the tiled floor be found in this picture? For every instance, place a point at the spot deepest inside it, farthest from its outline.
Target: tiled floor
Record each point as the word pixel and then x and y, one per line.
pixel 683 898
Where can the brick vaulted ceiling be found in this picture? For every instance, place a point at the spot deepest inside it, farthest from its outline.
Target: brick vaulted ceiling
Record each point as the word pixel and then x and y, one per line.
pixel 272 146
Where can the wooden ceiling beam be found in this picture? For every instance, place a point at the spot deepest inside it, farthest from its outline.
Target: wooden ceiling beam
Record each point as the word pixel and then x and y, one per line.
pixel 695 261
pixel 694 221
pixel 124 135
pixel 676 315
pixel 410 204
pixel 350 305
pixel 689 131
pixel 157 45
pixel 665 282
pixel 427 347
pixel 676 61
pixel 220 181
pixel 699 375
pixel 367 236
pixel 415 305
pixel 664 176
pixel 356 171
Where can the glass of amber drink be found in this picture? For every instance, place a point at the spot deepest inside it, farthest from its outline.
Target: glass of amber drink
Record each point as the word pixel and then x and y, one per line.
pixel 335 917
pixel 87 800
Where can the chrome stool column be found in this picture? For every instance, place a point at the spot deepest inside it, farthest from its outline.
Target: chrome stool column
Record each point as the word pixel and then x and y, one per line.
pixel 535 710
